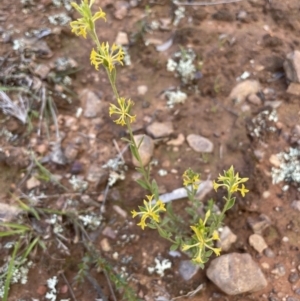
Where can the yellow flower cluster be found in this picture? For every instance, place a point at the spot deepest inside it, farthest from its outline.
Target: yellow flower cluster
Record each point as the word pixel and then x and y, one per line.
pixel 202 241
pixel 108 56
pixel 85 24
pixel 123 111
pixel 149 211
pixel 231 182
pixel 191 178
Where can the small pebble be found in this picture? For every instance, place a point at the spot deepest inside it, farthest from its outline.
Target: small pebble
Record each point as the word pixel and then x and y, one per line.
pixel 269 253
pixel 293 277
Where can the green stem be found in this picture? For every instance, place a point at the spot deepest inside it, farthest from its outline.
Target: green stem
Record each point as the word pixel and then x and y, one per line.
pixel 142 168
pixel 168 238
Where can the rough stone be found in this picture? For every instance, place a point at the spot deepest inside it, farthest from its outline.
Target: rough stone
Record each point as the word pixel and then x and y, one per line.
pixel 292 66
pixel 177 141
pixel 236 274
pixel 293 277
pixel 142 89
pixel 295 134
pixel 122 38
pixel 200 144
pixel 227 238
pixel 146 149
pixel 91 103
pixel 254 99
pixel 294 89
pixel 160 129
pixel 121 9
pixel 187 269
pixel 8 212
pixel 96 174
pixel 242 90
pixel 296 205
pixel 105 245
pixel 32 182
pixel 274 160
pixel 269 253
pixel 258 225
pixel 257 242
pixel 71 152
pixel 279 270
pixel 42 71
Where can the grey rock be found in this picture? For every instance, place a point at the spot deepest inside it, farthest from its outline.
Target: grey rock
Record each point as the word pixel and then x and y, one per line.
pixel 200 144
pixel 279 270
pixel 258 225
pixel 292 299
pixel 121 9
pixel 295 134
pixel 32 182
pixel 254 99
pixel 91 103
pixel 269 253
pixel 8 212
pixel 57 156
pixel 257 242
pixel 42 71
pixel 292 66
pixel 122 38
pixel 297 291
pixel 160 129
pixel 71 152
pixel 294 89
pixel 242 90
pixel 236 274
pixel 293 277
pixel 296 205
pixel 146 149
pixel 227 238
pixel 187 269
pixel 97 174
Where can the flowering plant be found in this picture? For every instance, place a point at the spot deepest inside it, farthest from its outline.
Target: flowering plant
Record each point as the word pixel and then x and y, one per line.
pixel 199 244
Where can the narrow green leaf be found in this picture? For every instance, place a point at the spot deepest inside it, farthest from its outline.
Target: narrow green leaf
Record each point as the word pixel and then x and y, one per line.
pixel 9 233
pixel 174 247
pixel 30 247
pixel 230 204
pixel 10 270
pixel 15 226
pixel 142 184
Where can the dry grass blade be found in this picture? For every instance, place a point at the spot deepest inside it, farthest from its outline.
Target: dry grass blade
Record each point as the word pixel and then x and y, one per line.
pixel 11 108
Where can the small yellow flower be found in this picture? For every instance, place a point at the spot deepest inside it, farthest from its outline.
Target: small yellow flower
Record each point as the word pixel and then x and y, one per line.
pixel 107 56
pixel 149 211
pixel 231 181
pixel 202 240
pixel 191 178
pixel 123 110
pixel 87 23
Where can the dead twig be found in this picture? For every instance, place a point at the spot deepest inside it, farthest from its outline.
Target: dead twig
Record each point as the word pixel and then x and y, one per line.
pixel 206 3
pixel 69 286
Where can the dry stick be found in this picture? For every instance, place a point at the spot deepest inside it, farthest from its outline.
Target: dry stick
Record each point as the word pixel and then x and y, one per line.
pixel 42 110
pixel 206 3
pixel 96 286
pixel 110 286
pixel 69 286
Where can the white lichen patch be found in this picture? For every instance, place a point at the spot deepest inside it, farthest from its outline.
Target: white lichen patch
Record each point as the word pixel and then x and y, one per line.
pixel 289 168
pixel 78 184
pixel 19 273
pixel 92 221
pixel 59 19
pixel 175 97
pixel 117 170
pixel 51 283
pixel 160 266
pixel 183 64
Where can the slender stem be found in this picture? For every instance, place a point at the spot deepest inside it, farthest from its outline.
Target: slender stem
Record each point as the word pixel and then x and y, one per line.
pixel 168 238
pixel 142 168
